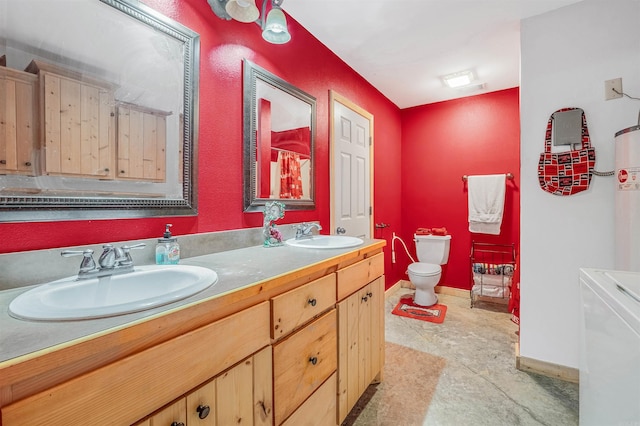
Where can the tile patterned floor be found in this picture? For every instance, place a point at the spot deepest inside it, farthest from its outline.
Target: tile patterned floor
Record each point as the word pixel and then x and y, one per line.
pixel 477 383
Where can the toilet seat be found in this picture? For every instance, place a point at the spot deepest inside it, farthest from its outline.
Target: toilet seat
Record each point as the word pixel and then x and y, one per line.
pixel 424 269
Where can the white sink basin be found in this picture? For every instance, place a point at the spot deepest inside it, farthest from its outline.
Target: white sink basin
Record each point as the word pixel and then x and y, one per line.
pixel 144 288
pixel 326 242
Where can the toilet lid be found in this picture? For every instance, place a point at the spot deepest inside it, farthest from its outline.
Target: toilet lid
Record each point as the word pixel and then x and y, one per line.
pixel 424 269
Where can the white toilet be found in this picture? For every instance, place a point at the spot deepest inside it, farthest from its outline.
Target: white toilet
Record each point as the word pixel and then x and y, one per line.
pixel 432 251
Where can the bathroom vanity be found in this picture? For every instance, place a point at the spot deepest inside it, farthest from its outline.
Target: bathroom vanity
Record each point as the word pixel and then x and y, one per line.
pixel 287 336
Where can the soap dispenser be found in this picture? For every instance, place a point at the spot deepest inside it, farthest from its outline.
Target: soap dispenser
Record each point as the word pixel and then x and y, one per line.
pixel 167 249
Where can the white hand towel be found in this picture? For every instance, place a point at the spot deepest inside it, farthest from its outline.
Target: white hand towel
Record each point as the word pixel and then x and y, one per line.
pixel 486 203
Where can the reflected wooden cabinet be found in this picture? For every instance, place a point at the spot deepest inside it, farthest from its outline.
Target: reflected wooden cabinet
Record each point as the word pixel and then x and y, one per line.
pixel 77 121
pixel 18 123
pixel 142 139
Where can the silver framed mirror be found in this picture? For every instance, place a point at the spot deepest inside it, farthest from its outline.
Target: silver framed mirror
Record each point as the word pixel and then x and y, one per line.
pixel 103 117
pixel 279 125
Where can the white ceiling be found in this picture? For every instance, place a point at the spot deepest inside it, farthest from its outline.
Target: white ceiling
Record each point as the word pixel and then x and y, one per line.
pixel 404 47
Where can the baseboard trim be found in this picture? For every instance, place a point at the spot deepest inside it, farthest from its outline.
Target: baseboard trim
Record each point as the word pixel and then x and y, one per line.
pixel 544 368
pixel 388 292
pixel 450 291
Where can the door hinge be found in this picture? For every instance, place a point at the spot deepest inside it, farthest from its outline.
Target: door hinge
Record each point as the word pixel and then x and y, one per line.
pixel 370 210
pixel 370 141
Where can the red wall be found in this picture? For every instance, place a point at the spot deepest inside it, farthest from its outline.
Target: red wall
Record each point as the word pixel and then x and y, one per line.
pixel 304 62
pixel 441 142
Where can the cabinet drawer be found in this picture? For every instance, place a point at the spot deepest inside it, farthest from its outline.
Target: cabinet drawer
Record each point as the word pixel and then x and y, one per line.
pixel 354 277
pixel 108 394
pixel 294 308
pixel 319 409
pixel 302 362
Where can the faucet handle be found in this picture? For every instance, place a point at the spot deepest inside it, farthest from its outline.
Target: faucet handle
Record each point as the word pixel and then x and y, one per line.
pixel 126 252
pixel 135 246
pixel 87 264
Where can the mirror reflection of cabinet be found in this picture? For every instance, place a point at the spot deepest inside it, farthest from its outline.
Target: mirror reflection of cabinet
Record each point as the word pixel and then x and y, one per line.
pixel 109 46
pixel 142 140
pixel 18 126
pixel 77 123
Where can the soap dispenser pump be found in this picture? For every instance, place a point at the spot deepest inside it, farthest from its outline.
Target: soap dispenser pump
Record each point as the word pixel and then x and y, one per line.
pixel 167 249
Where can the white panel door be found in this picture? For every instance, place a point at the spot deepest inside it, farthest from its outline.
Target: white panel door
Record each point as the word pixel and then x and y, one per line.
pixel 351 172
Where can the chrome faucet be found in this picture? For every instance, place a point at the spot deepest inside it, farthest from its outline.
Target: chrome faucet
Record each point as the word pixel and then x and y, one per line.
pixel 112 261
pixel 304 230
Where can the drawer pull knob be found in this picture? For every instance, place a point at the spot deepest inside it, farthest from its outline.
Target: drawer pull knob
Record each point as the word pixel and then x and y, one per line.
pixel 370 294
pixel 365 298
pixel 203 411
pixel 313 360
pixel 312 302
pixel 28 163
pixel 177 424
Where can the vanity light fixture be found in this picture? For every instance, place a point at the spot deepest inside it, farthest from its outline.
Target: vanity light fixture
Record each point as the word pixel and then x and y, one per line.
pixel 459 79
pixel 273 24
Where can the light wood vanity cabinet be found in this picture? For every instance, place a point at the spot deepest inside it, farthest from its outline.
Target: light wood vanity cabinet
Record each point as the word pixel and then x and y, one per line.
pixel 360 330
pixel 299 349
pixel 77 123
pixel 130 389
pixel 18 123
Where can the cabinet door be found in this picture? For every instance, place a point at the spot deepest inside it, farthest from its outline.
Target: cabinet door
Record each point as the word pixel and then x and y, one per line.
pixel 172 415
pixel 263 387
pixel 241 395
pixel 17 121
pixel 142 140
pixel 79 123
pixel 201 405
pixel 371 333
pixel 234 395
pixel 360 343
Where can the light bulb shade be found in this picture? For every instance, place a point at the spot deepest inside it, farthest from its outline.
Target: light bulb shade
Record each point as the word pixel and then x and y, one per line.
pixel 275 29
pixel 243 10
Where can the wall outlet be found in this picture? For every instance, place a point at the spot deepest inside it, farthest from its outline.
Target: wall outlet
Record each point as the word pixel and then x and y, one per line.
pixel 611 87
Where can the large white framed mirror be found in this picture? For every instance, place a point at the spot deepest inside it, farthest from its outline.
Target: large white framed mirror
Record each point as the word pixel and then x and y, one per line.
pixel 99 111
pixel 279 137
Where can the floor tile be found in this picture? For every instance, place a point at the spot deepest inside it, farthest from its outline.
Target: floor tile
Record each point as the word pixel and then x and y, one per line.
pixel 472 363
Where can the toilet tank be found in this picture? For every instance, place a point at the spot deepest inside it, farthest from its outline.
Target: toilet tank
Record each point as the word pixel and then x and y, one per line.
pixel 432 248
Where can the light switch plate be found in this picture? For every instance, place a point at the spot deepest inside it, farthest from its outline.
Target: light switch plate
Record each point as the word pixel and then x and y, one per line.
pixel 610 88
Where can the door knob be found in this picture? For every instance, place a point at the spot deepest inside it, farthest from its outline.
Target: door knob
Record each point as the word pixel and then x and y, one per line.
pixel 340 230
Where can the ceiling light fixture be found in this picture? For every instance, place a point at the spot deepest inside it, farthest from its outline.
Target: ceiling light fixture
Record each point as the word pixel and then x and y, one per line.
pixel 459 79
pixel 273 24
